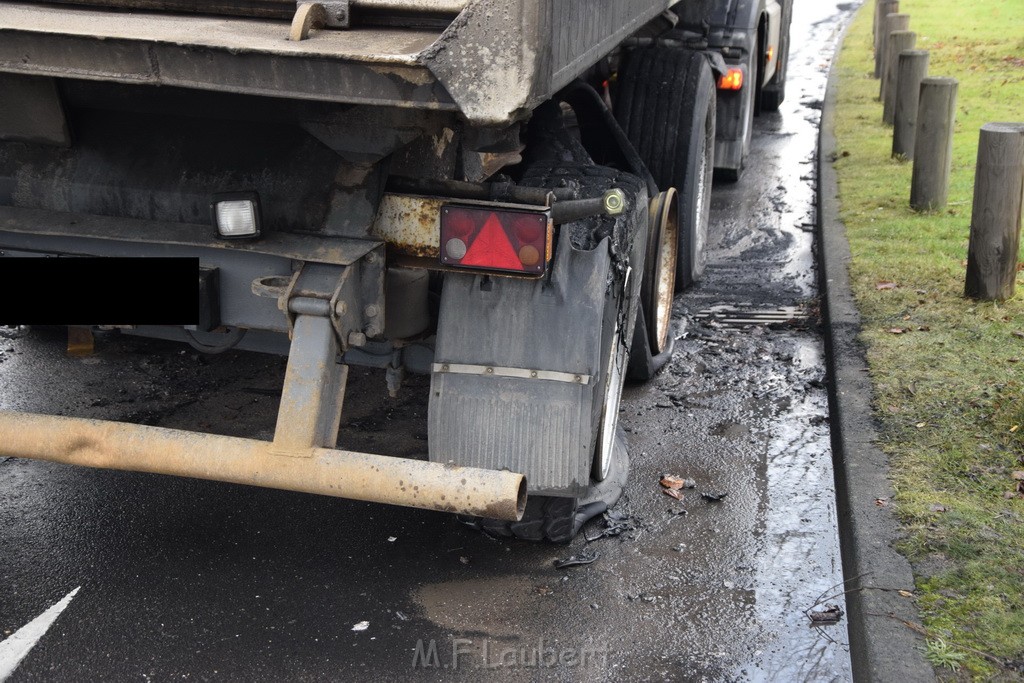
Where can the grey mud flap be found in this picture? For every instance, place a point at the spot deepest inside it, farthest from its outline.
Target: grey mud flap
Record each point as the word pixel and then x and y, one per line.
pixel 516 379
pixel 517 384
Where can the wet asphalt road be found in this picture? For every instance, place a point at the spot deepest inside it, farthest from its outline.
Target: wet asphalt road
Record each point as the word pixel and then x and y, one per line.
pixel 188 580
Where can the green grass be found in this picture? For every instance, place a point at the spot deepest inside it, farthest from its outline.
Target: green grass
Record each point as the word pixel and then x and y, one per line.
pixel 950 390
pixel 941 655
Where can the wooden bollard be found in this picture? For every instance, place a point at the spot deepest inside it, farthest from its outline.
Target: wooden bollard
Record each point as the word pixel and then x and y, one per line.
pixel 912 69
pixel 996 214
pixel 874 23
pixel 893 23
pixel 898 42
pixel 883 9
pixel 933 144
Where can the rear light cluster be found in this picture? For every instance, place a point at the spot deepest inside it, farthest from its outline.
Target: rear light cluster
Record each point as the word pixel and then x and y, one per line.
pixel 510 241
pixel 732 80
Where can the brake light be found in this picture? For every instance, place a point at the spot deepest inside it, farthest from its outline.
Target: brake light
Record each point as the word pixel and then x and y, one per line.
pixel 508 241
pixel 732 80
pixel 769 55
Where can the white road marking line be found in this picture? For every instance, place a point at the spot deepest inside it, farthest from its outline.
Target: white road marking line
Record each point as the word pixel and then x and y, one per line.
pixel 17 646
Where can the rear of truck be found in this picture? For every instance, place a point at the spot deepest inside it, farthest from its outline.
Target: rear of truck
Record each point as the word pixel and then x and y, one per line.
pixel 427 186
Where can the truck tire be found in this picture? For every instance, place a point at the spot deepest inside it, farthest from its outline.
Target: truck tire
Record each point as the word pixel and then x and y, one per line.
pixel 558 520
pixel 773 95
pixel 665 103
pixel 643 363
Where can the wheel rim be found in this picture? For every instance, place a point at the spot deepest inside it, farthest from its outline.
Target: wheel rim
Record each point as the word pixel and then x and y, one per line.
pixel 664 218
pixel 702 207
pixel 614 380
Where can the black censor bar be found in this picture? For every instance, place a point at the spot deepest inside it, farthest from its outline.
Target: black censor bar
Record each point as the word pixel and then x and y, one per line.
pixel 99 291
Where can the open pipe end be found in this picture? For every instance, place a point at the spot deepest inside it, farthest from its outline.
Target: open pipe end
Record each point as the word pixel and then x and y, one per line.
pixel 521 499
pixel 504 507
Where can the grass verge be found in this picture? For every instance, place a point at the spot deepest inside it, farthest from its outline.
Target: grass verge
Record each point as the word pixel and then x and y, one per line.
pixel 948 372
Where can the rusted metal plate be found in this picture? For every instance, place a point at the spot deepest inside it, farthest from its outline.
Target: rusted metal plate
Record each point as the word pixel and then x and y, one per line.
pixel 334 250
pixel 409 225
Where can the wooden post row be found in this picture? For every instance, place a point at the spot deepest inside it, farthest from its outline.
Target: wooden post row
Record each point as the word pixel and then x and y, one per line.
pixel 933 144
pixel 893 23
pixel 912 69
pixel 898 42
pixel 874 23
pixel 883 9
pixel 996 213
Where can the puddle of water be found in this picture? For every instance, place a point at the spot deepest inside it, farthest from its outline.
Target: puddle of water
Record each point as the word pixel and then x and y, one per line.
pixel 795 544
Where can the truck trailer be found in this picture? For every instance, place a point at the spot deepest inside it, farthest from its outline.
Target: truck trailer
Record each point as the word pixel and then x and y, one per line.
pixel 504 195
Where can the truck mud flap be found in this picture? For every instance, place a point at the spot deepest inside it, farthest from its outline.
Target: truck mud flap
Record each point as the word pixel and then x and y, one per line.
pixel 515 382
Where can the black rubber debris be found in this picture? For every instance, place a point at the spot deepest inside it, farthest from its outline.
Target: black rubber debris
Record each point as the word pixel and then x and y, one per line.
pixel 582 558
pixel 615 524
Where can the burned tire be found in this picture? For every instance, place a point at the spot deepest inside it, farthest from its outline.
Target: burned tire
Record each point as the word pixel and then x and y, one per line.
pixel 643 364
pixel 558 520
pixel 546 518
pixel 665 103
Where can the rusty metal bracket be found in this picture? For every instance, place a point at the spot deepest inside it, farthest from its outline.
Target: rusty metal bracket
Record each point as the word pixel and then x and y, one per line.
pixel 315 15
pixel 350 297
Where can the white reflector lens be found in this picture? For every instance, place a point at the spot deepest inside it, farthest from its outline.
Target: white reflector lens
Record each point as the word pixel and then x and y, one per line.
pixel 237 218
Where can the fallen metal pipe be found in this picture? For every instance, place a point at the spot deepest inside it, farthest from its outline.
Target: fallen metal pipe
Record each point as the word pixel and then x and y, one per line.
pixel 344 474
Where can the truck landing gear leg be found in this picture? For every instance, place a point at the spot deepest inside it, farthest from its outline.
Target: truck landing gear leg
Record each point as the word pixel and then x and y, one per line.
pixel 314 389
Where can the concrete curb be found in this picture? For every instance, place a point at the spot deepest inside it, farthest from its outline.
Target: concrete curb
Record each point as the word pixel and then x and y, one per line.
pixel 882 646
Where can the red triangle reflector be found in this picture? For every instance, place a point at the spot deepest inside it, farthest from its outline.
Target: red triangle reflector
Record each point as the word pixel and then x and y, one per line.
pixel 492 248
